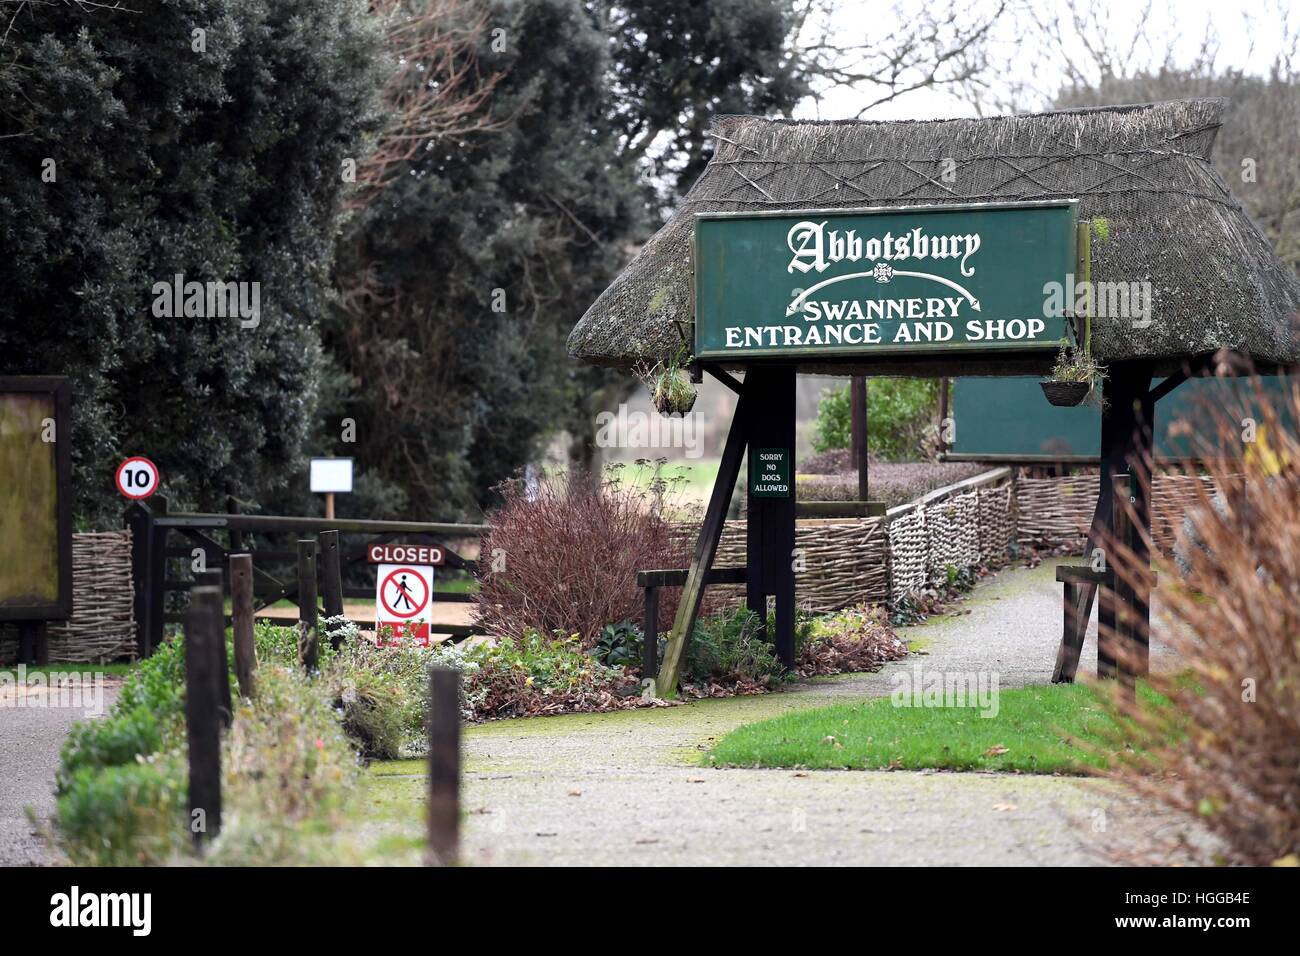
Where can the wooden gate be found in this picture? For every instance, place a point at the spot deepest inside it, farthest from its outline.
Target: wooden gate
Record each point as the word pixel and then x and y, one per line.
pixel 163 546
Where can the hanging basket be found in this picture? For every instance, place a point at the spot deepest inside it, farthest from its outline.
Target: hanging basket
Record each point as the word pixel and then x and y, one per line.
pixel 1066 394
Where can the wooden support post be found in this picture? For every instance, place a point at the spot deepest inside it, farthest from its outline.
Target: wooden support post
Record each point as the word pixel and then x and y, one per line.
pixel 241 622
pixel 308 639
pixel 1118 642
pixel 650 630
pixel 1069 632
pixel 140 522
pixel 202 711
pixel 858 422
pixel 444 765
pixel 770 537
pixel 944 388
pixel 1138 654
pixel 1126 419
pixel 1126 391
pixel 33 643
pixel 706 546
pixel 156 577
pixel 212 579
pixel 139 519
pixel 1078 609
pixel 331 578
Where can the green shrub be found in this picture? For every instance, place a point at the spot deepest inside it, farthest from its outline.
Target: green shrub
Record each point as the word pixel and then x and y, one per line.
pixel 729 646
pixel 619 645
pixel 899 412
pixel 150 706
pixel 379 694
pixel 538 674
pixel 158 684
pixel 112 742
pixel 276 644
pixel 286 757
pixel 130 814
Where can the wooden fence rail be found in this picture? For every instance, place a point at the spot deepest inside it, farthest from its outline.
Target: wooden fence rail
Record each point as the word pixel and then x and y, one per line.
pixel 163 541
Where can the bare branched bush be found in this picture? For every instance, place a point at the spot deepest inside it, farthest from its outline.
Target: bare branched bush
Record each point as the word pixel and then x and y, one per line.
pixel 563 552
pixel 435 90
pixel 1224 752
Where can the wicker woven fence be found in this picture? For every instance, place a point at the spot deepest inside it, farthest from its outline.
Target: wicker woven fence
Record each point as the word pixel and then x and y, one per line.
pixel 878 560
pixel 102 626
pixel 1056 512
pixel 844 562
pixel 958 527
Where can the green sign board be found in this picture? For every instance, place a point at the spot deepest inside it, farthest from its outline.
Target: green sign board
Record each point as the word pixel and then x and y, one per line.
pixel 1009 419
pixel 925 279
pixel 769 473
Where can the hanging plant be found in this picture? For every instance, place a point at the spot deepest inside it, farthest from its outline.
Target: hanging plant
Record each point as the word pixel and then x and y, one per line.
pixel 1074 377
pixel 670 387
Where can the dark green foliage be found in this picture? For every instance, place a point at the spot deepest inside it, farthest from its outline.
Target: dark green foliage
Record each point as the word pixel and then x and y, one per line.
pixel 112 742
pixel 466 380
pixel 619 645
pixel 534 210
pixel 899 411
pixel 729 646
pixel 221 165
pixel 122 815
pixel 678 63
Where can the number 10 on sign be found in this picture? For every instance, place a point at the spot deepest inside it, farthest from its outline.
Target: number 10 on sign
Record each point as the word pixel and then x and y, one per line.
pixel 137 477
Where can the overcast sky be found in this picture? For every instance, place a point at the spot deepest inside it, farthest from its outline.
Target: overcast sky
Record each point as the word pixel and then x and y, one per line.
pixel 1249 36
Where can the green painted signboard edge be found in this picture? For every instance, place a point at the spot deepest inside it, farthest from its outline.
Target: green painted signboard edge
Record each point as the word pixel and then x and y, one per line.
pixel 714 355
pixel 1081 422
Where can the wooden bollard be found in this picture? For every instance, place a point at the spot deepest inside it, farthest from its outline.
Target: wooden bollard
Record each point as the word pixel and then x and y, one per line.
pixel 331 578
pixel 203 631
pixel 308 640
pixel 241 622
pixel 220 659
pixel 444 765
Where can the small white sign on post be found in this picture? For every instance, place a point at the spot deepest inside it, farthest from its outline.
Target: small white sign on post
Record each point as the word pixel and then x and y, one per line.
pixel 331 476
pixel 404 602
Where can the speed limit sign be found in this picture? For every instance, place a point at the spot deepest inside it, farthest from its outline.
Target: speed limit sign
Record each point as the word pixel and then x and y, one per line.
pixel 137 477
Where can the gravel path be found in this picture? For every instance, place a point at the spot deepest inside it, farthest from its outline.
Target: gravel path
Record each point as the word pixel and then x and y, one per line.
pixel 628 787
pixel 31 735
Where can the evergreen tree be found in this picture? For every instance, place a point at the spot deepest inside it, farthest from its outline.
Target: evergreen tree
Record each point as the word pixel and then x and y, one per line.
pixel 195 137
pixel 461 283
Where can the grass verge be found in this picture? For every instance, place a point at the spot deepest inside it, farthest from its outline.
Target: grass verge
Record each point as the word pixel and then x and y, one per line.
pixel 1064 728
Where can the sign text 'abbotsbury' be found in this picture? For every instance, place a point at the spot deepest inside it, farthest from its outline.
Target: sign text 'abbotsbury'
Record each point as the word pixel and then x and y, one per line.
pixel 846 282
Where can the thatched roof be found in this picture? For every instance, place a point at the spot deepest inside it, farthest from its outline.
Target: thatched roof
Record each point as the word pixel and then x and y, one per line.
pixel 1171 220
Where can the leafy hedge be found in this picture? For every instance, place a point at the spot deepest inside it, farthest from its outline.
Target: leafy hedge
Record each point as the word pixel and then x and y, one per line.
pixel 122 784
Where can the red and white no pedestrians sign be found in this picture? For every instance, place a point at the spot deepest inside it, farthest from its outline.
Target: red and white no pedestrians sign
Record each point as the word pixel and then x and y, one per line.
pixel 403 602
pixel 137 477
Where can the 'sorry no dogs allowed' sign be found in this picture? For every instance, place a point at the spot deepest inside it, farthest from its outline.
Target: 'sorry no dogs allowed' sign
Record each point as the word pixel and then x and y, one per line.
pixel 882 281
